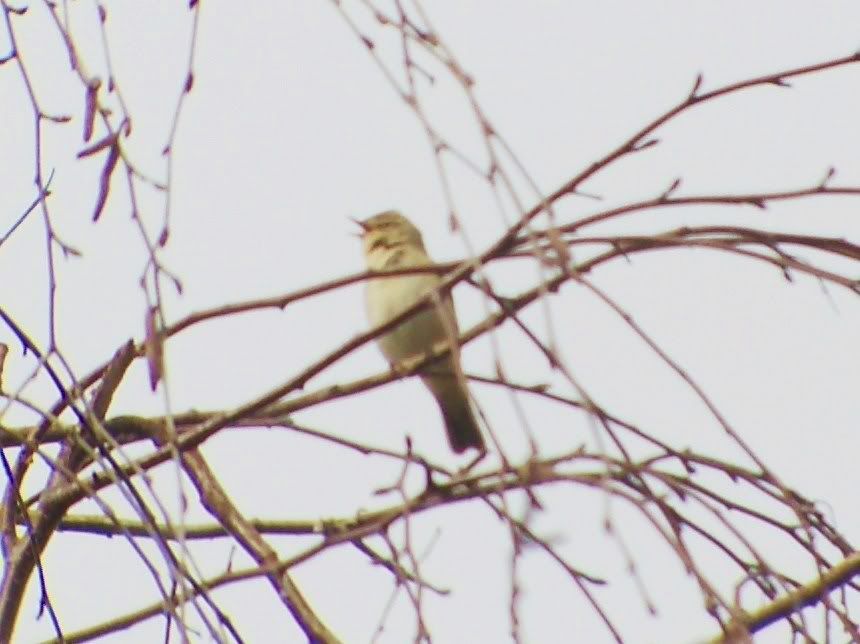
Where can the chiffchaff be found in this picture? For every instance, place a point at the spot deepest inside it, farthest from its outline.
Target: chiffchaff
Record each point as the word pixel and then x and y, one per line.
pixel 391 242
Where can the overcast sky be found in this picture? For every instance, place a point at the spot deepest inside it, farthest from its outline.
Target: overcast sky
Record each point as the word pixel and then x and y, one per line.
pixel 290 128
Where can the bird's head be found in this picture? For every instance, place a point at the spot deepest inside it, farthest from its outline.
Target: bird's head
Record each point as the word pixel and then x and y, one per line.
pixel 387 235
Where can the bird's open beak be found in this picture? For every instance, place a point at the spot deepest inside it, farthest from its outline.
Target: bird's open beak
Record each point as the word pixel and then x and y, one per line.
pixel 359 223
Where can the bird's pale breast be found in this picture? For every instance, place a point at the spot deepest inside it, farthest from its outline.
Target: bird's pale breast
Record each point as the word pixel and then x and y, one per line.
pixel 387 298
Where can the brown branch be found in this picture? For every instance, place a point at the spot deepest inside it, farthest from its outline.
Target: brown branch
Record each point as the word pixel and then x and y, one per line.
pixel 23 555
pixel 214 498
pixel 790 603
pixel 637 143
pixel 755 199
pixel 124 622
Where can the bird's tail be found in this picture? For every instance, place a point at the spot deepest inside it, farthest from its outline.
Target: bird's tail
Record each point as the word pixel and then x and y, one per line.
pixel 460 422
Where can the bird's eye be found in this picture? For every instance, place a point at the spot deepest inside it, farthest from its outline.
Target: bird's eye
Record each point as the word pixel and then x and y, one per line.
pixel 377 243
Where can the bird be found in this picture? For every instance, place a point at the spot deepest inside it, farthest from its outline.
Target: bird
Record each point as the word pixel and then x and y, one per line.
pixel 393 242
